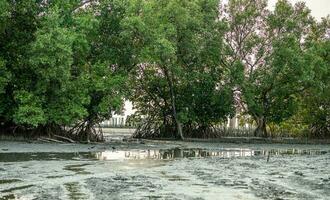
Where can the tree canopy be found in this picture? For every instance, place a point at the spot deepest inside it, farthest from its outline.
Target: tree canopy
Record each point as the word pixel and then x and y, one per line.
pixel 187 66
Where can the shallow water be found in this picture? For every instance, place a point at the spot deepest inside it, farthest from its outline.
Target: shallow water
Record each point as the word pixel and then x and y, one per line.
pixel 164 170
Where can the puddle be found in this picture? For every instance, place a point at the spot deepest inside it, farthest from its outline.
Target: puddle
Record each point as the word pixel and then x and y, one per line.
pixel 167 154
pixel 56 176
pixel 6 181
pixel 8 197
pixel 74 191
pixel 16 188
pixel 160 154
pixel 177 178
pixel 39 156
pixel 78 169
pixel 173 177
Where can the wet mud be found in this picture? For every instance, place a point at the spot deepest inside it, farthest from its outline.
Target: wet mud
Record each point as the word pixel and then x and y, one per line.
pixel 164 170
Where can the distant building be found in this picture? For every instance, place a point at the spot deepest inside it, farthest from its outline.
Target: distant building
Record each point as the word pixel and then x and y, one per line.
pixel 119 120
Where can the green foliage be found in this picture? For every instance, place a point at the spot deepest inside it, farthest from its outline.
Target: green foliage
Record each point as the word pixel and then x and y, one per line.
pixel 50 64
pixel 5 76
pixel 51 69
pixel 189 62
pixel 18 23
pixel 29 111
pixel 108 59
pixel 4 14
pixel 182 71
pixel 315 109
pixel 276 70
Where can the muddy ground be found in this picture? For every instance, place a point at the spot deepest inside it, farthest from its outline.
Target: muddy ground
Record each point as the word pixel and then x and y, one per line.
pixel 163 170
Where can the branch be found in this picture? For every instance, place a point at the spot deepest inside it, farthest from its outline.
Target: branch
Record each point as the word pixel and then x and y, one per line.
pixel 82 4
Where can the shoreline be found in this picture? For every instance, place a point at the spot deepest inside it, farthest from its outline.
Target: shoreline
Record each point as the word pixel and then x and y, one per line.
pixel 232 140
pixel 124 135
pixel 257 140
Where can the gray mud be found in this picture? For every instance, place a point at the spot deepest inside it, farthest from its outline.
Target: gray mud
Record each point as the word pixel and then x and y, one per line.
pixel 164 170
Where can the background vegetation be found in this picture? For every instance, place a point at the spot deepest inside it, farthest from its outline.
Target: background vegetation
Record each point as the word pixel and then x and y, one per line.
pixel 186 65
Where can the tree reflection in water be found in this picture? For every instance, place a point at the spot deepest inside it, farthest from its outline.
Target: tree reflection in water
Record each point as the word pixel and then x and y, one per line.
pixel 159 154
pixel 166 154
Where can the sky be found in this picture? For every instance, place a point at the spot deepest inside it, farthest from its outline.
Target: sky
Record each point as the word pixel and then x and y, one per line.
pixel 319 8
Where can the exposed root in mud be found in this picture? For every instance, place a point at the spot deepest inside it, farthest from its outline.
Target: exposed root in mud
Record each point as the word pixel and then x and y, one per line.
pixel 157 129
pixel 202 131
pixel 152 127
pixel 320 130
pixel 17 131
pixel 86 131
pixel 82 132
pixel 149 129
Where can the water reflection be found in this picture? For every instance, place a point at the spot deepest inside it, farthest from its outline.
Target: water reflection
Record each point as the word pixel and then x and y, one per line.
pixel 40 156
pixel 160 154
pixel 165 154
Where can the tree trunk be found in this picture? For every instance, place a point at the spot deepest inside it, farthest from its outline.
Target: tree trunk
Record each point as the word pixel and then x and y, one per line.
pixel 232 123
pixel 85 131
pixel 261 130
pixel 88 132
pixel 178 124
pixel 170 84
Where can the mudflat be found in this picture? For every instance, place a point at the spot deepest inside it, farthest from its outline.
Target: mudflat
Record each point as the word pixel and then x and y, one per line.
pixel 163 170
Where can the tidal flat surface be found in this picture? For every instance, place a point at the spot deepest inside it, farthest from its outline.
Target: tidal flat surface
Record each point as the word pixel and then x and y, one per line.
pixel 163 170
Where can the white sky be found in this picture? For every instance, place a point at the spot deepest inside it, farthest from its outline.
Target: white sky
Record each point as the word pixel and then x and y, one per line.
pixel 319 8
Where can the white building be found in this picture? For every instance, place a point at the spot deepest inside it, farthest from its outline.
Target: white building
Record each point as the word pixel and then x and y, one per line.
pixel 119 120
